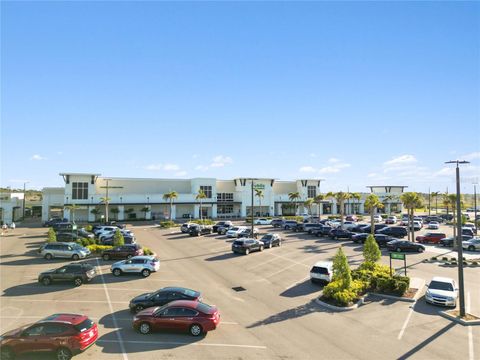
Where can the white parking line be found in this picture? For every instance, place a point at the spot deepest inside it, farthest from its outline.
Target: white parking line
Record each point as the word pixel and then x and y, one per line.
pixel 406 321
pixel 184 343
pixel 471 354
pixel 294 264
pixel 119 336
pixel 67 301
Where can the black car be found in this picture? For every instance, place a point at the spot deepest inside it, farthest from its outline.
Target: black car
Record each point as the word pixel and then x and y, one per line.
pixel 433 218
pixel 277 223
pixel 54 220
pixel 448 241
pixel 382 240
pixel 377 227
pixel 446 217
pixel 128 239
pixel 63 226
pixel 395 231
pixel 76 273
pixel 403 245
pixel 122 252
pixel 311 226
pixel 162 297
pixel 197 230
pixel 247 233
pixel 68 236
pixel 222 230
pixel 322 231
pixel 339 233
pixel 270 240
pixel 220 224
pixel 246 246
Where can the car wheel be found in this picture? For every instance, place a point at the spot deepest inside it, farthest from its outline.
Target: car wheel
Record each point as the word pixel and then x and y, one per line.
pixel 399 250
pixel 420 250
pixel 196 330
pixel 48 256
pixel 78 281
pixel 117 272
pixel 106 257
pixel 75 257
pixel 270 245
pixel 145 273
pixel 63 354
pixel 46 281
pixel 145 328
pixel 247 251
pixel 471 248
pixel 138 308
pixel 7 354
pixel 261 248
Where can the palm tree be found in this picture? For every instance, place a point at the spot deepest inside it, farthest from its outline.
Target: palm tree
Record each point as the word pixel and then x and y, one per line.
pixel 446 201
pixel 435 195
pixel 170 197
pixel 387 199
pixel 318 199
pixel 72 208
pixel 293 197
pixel 145 209
pixel 356 196
pixel 308 203
pixel 115 212
pixel 451 199
pixel 259 194
pixel 105 200
pixel 200 196
pixel 95 211
pixel 412 201
pixel 340 198
pixel 372 202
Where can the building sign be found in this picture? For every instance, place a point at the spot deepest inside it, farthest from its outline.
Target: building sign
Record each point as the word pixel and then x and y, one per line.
pixel 397 256
pixel 259 186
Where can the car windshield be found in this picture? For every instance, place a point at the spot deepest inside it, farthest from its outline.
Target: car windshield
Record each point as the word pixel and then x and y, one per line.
pixel 234 229
pixel 77 246
pixel 84 325
pixel 438 285
pixel 267 237
pixel 204 308
pixel 190 293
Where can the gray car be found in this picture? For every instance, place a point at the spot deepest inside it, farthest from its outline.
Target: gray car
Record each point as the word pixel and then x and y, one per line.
pixel 143 265
pixel 67 250
pixel 472 244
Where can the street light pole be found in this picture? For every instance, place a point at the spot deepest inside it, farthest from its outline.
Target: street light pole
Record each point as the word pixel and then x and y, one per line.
pixel 252 211
pixel 24 196
pixel 475 206
pixel 461 286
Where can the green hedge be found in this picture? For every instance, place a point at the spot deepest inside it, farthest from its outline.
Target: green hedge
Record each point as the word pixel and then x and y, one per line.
pixel 147 251
pixel 86 241
pixel 98 249
pixel 344 297
pixel 203 222
pixel 168 224
pixel 376 277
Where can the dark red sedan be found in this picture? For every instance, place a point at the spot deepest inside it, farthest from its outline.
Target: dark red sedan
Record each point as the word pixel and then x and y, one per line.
pixel 181 315
pixel 63 334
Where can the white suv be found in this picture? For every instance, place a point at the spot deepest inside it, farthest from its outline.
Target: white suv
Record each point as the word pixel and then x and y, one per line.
pixel 143 265
pixel 442 291
pixel 322 271
pixel 235 231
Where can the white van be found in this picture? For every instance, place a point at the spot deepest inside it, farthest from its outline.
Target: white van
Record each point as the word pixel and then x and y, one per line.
pixel 322 271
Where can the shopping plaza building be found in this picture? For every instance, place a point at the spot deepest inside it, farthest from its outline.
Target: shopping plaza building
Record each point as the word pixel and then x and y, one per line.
pixel 135 198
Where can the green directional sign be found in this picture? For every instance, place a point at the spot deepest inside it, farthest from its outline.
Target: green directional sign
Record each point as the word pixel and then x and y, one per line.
pixel 398 256
pixel 259 186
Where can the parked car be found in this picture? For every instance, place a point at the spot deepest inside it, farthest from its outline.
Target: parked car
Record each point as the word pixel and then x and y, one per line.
pixel 270 240
pixel 322 271
pixel 276 223
pixel 222 230
pixel 50 222
pixel 351 218
pixel 127 238
pixel 395 231
pixel 381 239
pixel 262 221
pixel 403 245
pixel 221 224
pixel 181 315
pixel 404 222
pixel 289 224
pixel 185 227
pixel 472 244
pixel 376 227
pixel 442 291
pixel 69 250
pixel 377 218
pixel 392 219
pixel 468 231
pixel 430 237
pixel 358 228
pixel 349 225
pixel 447 217
pixel 339 234
pixel 84 233
pixel 68 236
pixel 122 252
pixel 63 226
pixel 61 334
pixel 308 227
pixel 359 238
pixel 75 273
pixel 471 226
pixel 143 265
pixel 162 297
pixel 298 227
pixel 247 233
pixel 448 241
pixel 433 218
pixel 197 230
pixel 110 234
pixel 322 231
pixel 233 232
pixel 98 230
pixel 246 246
pixel 433 225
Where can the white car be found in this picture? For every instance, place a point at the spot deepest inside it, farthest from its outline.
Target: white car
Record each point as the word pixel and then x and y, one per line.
pixel 377 218
pixel 472 244
pixel 107 234
pixel 348 225
pixel 235 231
pixel 262 221
pixel 143 265
pixel 433 225
pixel 334 223
pixel 322 271
pixel 105 228
pixel 442 291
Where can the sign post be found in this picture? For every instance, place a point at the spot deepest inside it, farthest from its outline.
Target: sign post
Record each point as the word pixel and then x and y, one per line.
pixel 398 256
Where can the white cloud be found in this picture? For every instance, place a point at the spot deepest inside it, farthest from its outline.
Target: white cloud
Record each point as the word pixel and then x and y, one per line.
pixel 401 161
pixel 471 156
pixel 313 155
pixel 201 167
pixel 371 175
pixel 194 156
pixel 166 167
pixel 333 160
pixel 171 167
pixel 154 167
pixel 307 169
pixel 217 162
pixel 37 157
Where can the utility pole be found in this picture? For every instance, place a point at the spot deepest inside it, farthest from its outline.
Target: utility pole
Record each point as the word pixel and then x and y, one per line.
pixel 429 201
pixel 475 206
pixel 252 211
pixel 106 196
pixel 24 196
pixel 461 285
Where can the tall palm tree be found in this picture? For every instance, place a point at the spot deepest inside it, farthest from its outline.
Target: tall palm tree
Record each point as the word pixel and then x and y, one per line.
pixel 451 200
pixel 170 196
pixel 105 200
pixel 259 194
pixel 318 199
pixel 72 208
pixel 293 197
pixel 435 195
pixel 387 199
pixel 446 201
pixel 411 201
pixel 340 197
pixel 308 203
pixel 200 196
pixel 356 196
pixel 372 202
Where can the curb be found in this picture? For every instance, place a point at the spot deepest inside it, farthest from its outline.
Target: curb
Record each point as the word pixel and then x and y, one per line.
pixel 459 321
pixel 341 309
pixel 398 298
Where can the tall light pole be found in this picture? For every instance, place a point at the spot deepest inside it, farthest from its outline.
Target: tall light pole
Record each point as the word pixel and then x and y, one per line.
pixel 475 206
pixel 24 196
pixel 461 286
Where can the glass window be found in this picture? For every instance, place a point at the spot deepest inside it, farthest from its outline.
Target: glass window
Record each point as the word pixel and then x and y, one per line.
pixel 53 329
pixel 84 325
pixel 35 331
pixel 138 261
pixel 311 191
pixel 207 190
pixel 79 190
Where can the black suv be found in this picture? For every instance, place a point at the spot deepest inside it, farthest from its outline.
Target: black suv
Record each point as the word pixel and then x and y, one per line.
pixel 53 221
pixel 197 230
pixel 247 233
pixel 75 273
pixel 269 240
pixel 395 231
pixel 221 224
pixel 277 223
pixel 246 246
pixel 122 252
pixel 162 297
pixel 340 233
pixel 322 231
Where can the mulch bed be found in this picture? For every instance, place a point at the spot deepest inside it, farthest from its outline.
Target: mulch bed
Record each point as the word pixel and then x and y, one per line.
pixel 467 317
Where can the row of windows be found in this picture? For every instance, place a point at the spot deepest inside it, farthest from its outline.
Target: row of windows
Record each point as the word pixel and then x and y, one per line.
pixel 224 196
pixel 79 190
pixel 207 190
pixel 224 209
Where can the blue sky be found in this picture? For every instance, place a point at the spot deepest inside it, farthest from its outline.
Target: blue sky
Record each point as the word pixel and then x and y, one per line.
pixel 356 93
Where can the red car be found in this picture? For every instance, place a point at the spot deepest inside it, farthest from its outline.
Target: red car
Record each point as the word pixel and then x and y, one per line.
pixel 63 334
pixel 430 238
pixel 181 315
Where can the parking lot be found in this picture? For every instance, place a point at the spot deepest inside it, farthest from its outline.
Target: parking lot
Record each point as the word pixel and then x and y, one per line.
pixel 271 314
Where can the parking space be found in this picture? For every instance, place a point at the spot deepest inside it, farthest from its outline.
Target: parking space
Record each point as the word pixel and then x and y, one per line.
pixel 266 302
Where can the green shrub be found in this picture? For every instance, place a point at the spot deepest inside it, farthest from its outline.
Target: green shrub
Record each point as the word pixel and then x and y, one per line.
pixel 118 239
pixel 86 241
pixel 474 263
pixel 384 216
pixel 434 258
pixel 52 236
pixel 371 251
pixel 345 297
pixel 167 224
pixel 444 258
pixel 147 251
pixel 88 228
pixel 97 249
pixel 360 217
pixel 333 217
pixel 204 222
